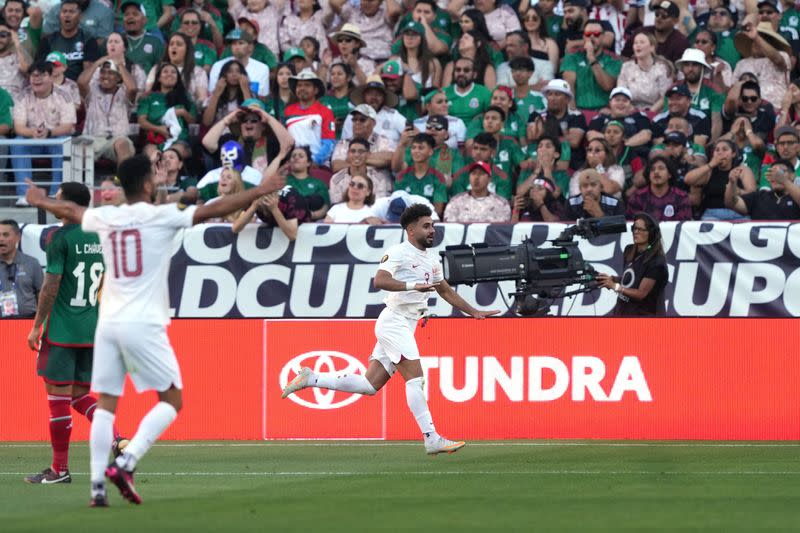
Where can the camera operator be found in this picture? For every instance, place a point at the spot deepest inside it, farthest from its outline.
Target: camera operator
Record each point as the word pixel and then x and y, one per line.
pixel 640 289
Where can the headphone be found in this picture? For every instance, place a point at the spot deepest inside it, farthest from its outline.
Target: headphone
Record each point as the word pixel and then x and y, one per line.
pixel 653 230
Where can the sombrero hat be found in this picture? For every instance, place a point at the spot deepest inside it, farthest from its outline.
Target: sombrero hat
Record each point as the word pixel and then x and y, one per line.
pixel 744 45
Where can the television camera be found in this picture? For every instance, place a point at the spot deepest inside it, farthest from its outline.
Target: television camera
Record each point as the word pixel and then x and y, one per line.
pixel 542 273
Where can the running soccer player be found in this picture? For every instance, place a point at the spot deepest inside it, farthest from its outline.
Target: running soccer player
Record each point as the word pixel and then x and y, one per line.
pixel 408 271
pixel 68 311
pixel 131 335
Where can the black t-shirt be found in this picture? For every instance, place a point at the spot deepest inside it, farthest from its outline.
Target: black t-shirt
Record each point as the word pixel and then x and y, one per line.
pixel 78 48
pixel 700 121
pixel 714 189
pixel 633 273
pixel 573 35
pixel 633 123
pixel 291 204
pixel 765 205
pixel 672 49
pixel 763 123
pixel 610 206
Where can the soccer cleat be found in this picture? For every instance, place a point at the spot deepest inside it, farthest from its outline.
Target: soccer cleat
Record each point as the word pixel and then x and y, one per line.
pixel 299 382
pixel 48 476
pixel 99 500
pixel 442 445
pixel 124 482
pixel 119 445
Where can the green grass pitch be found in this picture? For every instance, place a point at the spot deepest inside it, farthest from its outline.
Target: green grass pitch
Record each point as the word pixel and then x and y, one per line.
pixel 370 486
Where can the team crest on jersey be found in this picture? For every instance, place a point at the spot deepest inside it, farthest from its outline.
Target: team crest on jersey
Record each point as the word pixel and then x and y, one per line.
pixel 148 48
pixel 473 103
pixel 705 104
pixel 79 46
pixel 427 190
pixel 669 211
pixel 384 258
pixel 793 21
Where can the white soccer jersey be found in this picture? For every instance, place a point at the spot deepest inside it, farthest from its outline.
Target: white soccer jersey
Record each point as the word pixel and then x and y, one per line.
pixel 136 241
pixel 407 263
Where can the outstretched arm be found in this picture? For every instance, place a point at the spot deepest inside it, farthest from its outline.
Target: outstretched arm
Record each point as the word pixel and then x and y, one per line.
pixel 240 200
pixel 69 211
pixel 450 296
pixel 47 297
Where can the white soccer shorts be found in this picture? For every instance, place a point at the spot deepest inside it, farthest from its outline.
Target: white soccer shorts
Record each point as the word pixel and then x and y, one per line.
pixel 395 334
pixel 141 350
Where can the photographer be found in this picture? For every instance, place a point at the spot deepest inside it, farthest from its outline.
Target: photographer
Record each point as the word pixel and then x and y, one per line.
pixel 780 203
pixel 640 289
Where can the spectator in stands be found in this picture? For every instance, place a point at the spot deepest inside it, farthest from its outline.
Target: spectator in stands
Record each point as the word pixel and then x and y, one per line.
pixel 14 61
pixel 713 178
pixel 679 104
pixel 297 58
pixel 62 84
pixel 357 153
pixel 787 148
pixel 231 90
pixel 231 155
pixel 720 75
pixel 471 46
pixel 96 19
pixel 389 122
pixel 192 21
pixel 509 156
pixel 350 44
pixel 746 114
pixel 435 103
pixel 646 75
pixel 465 97
pixel 601 159
pixel 115 50
pixel 242 51
pixel 266 13
pixel 527 100
pixel 591 201
pixel 765 53
pixel 484 148
pixel 576 16
pixel 165 113
pixel 230 182
pixel 444 159
pixel 538 203
pixel 42 113
pixel 260 134
pixel 308 121
pixel 389 210
pixel 356 204
pixel 111 192
pixel 28 36
pixel 421 178
pixel 780 202
pixel 614 13
pixel 418 66
pixel 514 127
pixel 670 43
pixel 338 96
pixel 109 101
pixel 570 122
pixel 518 46
pixel 313 190
pixel 721 23
pixel 177 185
pixel 280 94
pixel 20 274
pixel 478 204
pixel 691 66
pixel 80 48
pixel 143 48
pixel 500 18
pixel 543 48
pixel 374 19
pixel 309 20
pixel 434 24
pixel 620 109
pixel 614 134
pixel 790 107
pixel 260 51
pixel 640 289
pixel 660 198
pixel 381 149
pixel 545 159
pixel 591 73
pixel 180 52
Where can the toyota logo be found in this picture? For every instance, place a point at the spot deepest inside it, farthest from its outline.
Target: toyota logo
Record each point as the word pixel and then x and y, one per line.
pixel 322 361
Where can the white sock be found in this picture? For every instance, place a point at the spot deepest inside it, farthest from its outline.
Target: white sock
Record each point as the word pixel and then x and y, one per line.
pixel 415 396
pixel 151 427
pixel 100 438
pixel 345 382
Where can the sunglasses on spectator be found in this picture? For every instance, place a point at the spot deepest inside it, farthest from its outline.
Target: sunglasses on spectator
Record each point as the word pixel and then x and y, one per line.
pixel 635 229
pixel 751 99
pixel 358 185
pixel 192 22
pixel 435 127
pixel 468 69
pixel 592 33
pixel 345 40
pixel 662 14
pixel 4 35
pixel 530 18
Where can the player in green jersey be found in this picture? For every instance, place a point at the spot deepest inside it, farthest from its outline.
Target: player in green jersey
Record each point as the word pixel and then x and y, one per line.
pixel 68 311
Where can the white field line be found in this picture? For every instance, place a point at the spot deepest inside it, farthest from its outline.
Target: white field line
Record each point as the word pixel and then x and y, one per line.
pixel 452 473
pixel 349 444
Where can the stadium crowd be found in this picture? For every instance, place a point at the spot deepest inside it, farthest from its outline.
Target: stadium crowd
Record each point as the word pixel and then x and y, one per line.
pixel 488 111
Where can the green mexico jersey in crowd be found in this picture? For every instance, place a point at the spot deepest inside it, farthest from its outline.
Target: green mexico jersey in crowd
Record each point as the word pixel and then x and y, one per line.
pixel 444 160
pixel 431 185
pixel 589 94
pixel 260 53
pixel 309 186
pixel 78 258
pixel 468 105
pixel 145 51
pixel 204 54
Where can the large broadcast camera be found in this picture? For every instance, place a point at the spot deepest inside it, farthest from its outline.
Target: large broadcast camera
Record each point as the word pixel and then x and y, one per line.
pixel 542 273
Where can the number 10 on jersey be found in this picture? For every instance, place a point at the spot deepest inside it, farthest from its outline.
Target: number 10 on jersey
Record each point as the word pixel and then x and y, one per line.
pixel 126 246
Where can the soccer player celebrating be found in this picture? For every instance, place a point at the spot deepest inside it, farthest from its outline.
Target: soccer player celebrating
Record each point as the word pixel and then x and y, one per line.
pixel 409 272
pixel 131 337
pixel 68 311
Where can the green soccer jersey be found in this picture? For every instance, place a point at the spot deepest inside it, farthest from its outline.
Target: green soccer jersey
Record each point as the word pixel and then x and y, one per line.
pixel 431 185
pixel 341 107
pixel 466 106
pixel 588 93
pixel 445 160
pixel 309 187
pixel 204 54
pixel 726 48
pixel 553 23
pixel 6 104
pixel 78 258
pixel 260 53
pixel 513 127
pixel 144 51
pixel 533 101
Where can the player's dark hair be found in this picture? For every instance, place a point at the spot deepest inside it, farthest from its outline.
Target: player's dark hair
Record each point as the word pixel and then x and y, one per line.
pixel 413 213
pixel 10 222
pixel 426 138
pixel 132 174
pixel 74 191
pixel 486 139
pixel 655 246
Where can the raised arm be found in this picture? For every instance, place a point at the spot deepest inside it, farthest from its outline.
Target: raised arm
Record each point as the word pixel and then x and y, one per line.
pixel 69 211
